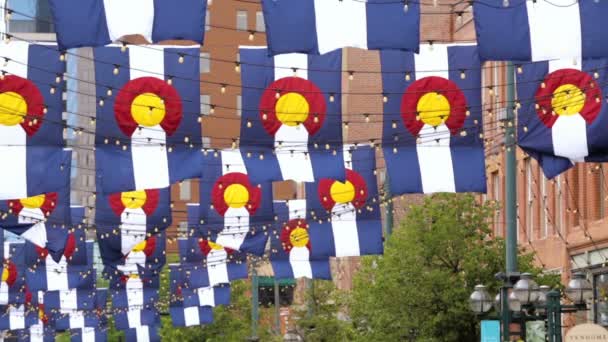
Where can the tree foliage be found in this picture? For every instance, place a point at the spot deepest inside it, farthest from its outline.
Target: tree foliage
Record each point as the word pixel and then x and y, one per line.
pixel 419 289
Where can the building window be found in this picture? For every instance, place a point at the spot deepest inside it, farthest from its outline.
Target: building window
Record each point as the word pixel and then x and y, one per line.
pixel 30 16
pixel 183 227
pixel 205 104
pixel 205 62
pixel 241 20
pixel 239 105
pixel 185 190
pixel 259 22
pixel 544 220
pixel 529 200
pixel 208 21
pixel 206 142
pixel 496 197
pixel 600 306
pixel 559 207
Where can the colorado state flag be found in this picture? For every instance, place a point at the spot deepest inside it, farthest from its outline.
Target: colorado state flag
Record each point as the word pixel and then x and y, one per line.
pixel 100 22
pixel 353 207
pixel 291 127
pixel 233 208
pixel 128 218
pixel 69 316
pixel 183 316
pixel 31 129
pixel 541 30
pixel 210 264
pixel 432 134
pixel 321 26
pixel 137 303
pixel 12 283
pixel 292 244
pixel 143 334
pixel 562 118
pixel 146 258
pixel 179 285
pixel 147 128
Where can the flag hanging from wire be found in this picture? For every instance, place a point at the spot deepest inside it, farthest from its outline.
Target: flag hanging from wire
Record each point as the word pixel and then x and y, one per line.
pixel 346 215
pixel 12 284
pixel 210 264
pixel 144 259
pixel 233 209
pixel 293 243
pixel 41 219
pixel 433 131
pixel 31 127
pixel 203 296
pixel 291 126
pixel 66 316
pixel 100 22
pixel 137 303
pixel 147 117
pixel 525 30
pixel 126 219
pixel 562 114
pixel 143 334
pixel 318 26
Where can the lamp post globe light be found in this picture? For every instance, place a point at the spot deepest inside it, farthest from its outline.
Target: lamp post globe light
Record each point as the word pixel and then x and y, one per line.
pixel 527 301
pixel 526 290
pixel 480 300
pixel 579 289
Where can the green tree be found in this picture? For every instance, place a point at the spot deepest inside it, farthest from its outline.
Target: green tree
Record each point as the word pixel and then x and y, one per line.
pixel 420 287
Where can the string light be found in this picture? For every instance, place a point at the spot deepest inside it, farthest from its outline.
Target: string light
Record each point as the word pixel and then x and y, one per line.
pixel 251 35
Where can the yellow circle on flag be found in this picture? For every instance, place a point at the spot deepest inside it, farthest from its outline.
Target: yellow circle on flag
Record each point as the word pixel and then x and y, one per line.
pixel 148 109
pixel 568 99
pixel 292 109
pixel 140 246
pixel 215 246
pixel 133 199
pixel 236 196
pixel 13 108
pixel 299 237
pixel 33 202
pixel 342 192
pixel 5 274
pixel 433 109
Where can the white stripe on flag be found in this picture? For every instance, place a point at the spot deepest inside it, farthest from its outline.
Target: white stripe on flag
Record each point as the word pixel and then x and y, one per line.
pixel 148 144
pixel 217 267
pixel 129 17
pixel 37 332
pixel 150 161
pixel 340 24
pixel 13 153
pixel 297 209
pixel 76 320
pixel 191 317
pixel 68 300
pixel 232 161
pixel 236 227
pixel 432 61
pixel 569 136
pixel 344 228
pixel 284 64
pixel 16 317
pixel 299 258
pixel 18 54
pixel 143 333
pixel 88 334
pixel 555 29
pixel 36 234
pixel 7 249
pixel 569 133
pixel 4 293
pixel 295 166
pixel 132 229
pixel 135 301
pixel 206 296
pixel 56 274
pixel 435 160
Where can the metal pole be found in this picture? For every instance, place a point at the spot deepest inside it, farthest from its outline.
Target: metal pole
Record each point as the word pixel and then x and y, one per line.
pixel 388 226
pixel 510 173
pixel 310 285
pixel 554 316
pixel 505 314
pixel 255 303
pixel 277 307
